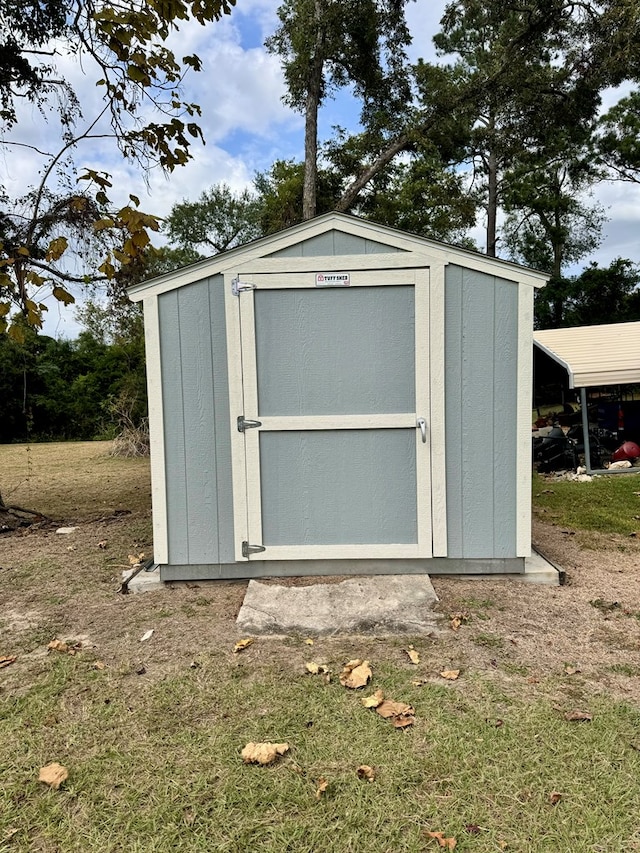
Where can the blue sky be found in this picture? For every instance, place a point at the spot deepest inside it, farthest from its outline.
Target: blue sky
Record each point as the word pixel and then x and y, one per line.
pixel 247 127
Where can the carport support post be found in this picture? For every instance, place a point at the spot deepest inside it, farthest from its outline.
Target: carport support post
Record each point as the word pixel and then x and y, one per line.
pixel 585 429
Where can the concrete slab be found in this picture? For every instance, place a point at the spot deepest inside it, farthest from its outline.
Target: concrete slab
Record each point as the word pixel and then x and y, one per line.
pixel 387 604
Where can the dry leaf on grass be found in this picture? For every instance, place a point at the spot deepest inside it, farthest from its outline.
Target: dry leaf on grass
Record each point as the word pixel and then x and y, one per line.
pixel 102 544
pixel 7 660
pixel 366 772
pixel 136 560
pixel 241 645
pixel 322 787
pixel 419 682
pixel 308 641
pixel 399 713
pixel 569 669
pixel 314 668
pixel 450 674
pixel 578 716
pixel 356 673
pixel 58 646
pixel 263 753
pixel 147 635
pixel 374 700
pixel 414 657
pixel 447 843
pixel 53 775
pixel 98 664
pixel 457 619
pixel 555 797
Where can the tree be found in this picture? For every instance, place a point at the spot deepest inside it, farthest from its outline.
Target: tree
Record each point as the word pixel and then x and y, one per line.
pixel 58 235
pixel 325 45
pixel 218 220
pixel 597 295
pixel 617 144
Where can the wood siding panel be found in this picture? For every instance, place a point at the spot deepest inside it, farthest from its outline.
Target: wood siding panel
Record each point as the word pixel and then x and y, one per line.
pixel 195 391
pixel 481 424
pixel 334 243
pixel 505 443
pixel 174 437
pixel 370 497
pixel 222 436
pixel 335 351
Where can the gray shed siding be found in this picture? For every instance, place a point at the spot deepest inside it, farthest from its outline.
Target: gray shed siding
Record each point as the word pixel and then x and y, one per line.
pixel 481 344
pixel 196 423
pixel 333 243
pixel 481 314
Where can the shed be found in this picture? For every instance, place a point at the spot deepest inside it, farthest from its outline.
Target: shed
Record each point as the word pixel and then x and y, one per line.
pixel 340 398
pixel 599 357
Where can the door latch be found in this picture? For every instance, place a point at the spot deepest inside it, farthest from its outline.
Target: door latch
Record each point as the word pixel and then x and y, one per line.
pixel 244 424
pixel 422 424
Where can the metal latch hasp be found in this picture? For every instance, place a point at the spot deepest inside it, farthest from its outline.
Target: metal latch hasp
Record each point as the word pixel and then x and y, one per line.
pixel 244 424
pixel 247 549
pixel 238 287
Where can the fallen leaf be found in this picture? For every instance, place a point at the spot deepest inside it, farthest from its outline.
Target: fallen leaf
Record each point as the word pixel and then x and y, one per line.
pixel 450 674
pixel 98 664
pixel 308 641
pixel 241 645
pixel 389 708
pixel 135 561
pixel 322 787
pixel 472 828
pixel 448 843
pixel 356 673
pixel 555 797
pixel 53 775
pixel 7 660
pixel 374 700
pixel 570 670
pixel 366 772
pixel 419 682
pixel 58 646
pixel 263 753
pixel 403 720
pixel 147 635
pixel 316 668
pixel 414 657
pixel 102 544
pixel 578 717
pixel 457 619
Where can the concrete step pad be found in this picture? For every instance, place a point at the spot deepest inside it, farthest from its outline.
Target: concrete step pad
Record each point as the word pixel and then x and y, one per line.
pixel 386 604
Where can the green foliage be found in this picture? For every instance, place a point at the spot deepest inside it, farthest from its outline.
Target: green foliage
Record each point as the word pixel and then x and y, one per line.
pixel 280 194
pixel 597 295
pixel 64 231
pixel 218 220
pixel 618 140
pixel 60 389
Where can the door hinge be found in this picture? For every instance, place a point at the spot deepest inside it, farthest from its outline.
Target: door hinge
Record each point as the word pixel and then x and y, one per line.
pixel 247 549
pixel 238 287
pixel 244 424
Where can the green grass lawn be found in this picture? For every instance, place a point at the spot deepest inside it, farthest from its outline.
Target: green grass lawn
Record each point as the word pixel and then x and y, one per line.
pixel 609 504
pixel 158 768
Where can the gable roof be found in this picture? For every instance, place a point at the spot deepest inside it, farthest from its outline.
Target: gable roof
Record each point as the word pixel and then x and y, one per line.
pixel 595 355
pixel 396 239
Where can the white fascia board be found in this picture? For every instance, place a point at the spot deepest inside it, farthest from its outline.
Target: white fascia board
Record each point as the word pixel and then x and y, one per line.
pixel 557 359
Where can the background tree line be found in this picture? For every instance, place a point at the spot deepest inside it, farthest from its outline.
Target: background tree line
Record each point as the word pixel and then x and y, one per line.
pixel 507 128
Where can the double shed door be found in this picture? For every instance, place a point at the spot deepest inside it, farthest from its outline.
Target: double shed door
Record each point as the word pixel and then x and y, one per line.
pixel 330 397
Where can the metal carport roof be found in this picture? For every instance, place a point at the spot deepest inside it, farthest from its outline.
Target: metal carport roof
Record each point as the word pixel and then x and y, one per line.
pixel 595 355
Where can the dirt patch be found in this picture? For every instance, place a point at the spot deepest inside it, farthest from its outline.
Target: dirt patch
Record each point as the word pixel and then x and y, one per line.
pixel 561 641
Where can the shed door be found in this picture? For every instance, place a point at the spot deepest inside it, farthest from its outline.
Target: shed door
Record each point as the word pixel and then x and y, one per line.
pixel 334 431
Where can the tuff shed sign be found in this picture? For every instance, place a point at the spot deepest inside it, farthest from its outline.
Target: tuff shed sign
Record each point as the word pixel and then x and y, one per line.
pixel 333 279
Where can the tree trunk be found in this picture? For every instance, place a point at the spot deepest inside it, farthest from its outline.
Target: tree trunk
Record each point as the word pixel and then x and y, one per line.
pixel 312 105
pixel 492 203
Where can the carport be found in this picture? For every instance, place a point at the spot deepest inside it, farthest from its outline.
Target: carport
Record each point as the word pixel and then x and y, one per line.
pixel 594 357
